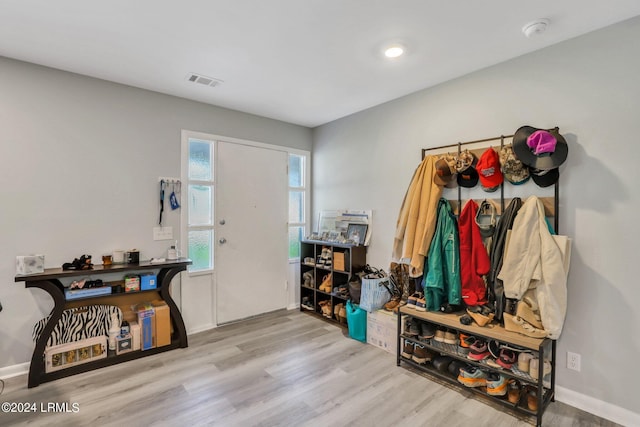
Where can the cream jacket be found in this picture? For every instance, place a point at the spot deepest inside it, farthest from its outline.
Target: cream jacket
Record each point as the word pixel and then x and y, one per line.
pixel 417 220
pixel 534 259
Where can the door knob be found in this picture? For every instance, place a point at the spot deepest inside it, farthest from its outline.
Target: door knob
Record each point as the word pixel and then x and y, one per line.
pixel 223 222
pixel 222 241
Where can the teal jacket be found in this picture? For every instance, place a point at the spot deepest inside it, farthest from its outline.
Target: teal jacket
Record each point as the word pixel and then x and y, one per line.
pixel 441 280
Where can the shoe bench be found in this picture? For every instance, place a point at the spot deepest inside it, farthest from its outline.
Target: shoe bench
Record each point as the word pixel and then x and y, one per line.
pixel 343 260
pixel 51 281
pixel 544 349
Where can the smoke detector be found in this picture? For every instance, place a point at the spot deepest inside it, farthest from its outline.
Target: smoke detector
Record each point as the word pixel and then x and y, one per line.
pixel 203 80
pixel 535 28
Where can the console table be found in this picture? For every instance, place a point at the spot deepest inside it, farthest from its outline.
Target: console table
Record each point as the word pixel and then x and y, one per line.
pixel 50 281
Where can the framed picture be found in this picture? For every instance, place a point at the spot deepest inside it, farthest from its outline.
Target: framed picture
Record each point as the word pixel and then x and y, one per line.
pixel 357 233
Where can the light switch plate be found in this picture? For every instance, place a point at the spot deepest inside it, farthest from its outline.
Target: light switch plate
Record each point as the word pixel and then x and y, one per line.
pixel 162 233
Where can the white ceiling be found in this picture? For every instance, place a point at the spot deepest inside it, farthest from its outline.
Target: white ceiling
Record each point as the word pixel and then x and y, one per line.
pixel 301 61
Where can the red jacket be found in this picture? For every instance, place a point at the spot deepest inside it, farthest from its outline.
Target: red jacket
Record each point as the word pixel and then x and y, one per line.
pixel 474 260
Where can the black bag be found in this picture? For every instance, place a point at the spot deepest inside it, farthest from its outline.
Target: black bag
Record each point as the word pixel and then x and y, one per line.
pixel 355 287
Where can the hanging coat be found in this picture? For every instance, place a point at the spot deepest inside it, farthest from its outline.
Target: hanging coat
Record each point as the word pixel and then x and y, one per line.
pixel 496 291
pixel 474 260
pixel 417 218
pixel 441 282
pixel 535 261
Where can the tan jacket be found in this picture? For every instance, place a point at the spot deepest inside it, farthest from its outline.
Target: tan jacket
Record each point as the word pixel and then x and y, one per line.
pixel 534 259
pixel 417 220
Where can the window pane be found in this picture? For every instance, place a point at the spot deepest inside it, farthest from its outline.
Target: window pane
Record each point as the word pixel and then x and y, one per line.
pixel 296 206
pixel 201 250
pixel 296 171
pixel 295 235
pixel 200 207
pixel 200 161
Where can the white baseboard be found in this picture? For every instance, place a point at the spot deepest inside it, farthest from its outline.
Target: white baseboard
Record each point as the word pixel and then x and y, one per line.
pixel 201 329
pixel 14 370
pixel 597 407
pixel 293 306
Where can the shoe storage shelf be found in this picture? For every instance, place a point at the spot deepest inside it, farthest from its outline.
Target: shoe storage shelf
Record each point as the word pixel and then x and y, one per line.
pixel 51 282
pixel 535 387
pixel 331 264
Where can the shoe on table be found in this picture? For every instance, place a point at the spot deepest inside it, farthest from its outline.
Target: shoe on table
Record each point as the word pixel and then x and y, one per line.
pixel 421 304
pixel 393 303
pixel 516 324
pixel 411 301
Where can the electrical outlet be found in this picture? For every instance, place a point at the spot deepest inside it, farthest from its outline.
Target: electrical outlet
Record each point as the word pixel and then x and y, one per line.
pixel 162 233
pixel 573 361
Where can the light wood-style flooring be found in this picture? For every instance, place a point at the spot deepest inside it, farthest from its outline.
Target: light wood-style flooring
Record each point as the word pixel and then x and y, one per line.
pixel 280 369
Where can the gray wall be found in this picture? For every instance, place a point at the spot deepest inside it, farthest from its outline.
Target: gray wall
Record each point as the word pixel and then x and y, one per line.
pixel 590 88
pixel 79 165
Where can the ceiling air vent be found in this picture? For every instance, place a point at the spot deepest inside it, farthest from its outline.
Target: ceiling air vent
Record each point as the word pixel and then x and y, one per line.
pixel 203 80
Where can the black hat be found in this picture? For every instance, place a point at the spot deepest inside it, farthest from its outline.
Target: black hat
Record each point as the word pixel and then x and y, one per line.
pixel 468 178
pixel 544 178
pixel 539 148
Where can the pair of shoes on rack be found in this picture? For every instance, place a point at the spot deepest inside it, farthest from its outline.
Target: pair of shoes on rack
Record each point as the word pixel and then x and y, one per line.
pixel 446 336
pixel 325 258
pixel 417 353
pixel 325 307
pixel 327 283
pixel 307 279
pixel 340 313
pixel 307 303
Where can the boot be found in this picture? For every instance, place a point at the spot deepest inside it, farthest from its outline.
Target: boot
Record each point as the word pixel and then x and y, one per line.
pixel 343 315
pixel 336 312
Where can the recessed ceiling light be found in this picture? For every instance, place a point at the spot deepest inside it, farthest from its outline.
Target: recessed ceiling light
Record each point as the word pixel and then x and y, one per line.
pixel 394 51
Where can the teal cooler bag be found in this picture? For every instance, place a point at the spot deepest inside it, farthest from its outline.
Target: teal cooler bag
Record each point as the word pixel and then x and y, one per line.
pixel 357 322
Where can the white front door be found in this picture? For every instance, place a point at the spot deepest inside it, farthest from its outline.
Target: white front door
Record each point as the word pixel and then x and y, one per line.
pixel 251 231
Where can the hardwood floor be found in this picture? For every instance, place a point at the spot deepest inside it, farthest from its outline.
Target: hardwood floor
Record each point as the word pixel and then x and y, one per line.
pixel 280 369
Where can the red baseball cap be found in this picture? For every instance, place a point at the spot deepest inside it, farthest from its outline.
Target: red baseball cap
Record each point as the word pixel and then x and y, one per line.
pixel 489 170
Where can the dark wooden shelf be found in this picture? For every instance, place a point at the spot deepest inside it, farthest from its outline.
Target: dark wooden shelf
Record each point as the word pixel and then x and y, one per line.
pixel 49 281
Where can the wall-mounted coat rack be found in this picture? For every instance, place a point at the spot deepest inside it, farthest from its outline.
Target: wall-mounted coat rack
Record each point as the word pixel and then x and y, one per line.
pixel 556 203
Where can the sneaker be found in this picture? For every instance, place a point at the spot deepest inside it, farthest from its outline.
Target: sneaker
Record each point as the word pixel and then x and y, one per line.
pixel 427 331
pixel 534 366
pixel 439 336
pixel 507 358
pixel 496 384
pixel 478 350
pixel 411 301
pixel 407 351
pixel 307 303
pixel 524 360
pixel 421 304
pixel 450 337
pixel 470 376
pixel 422 355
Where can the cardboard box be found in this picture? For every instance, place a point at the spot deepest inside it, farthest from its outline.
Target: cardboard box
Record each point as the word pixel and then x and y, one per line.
pixel 382 330
pixel 163 323
pixel 340 260
pixel 147 322
pixel 147 281
pixel 75 353
pixel 134 331
pixel 29 264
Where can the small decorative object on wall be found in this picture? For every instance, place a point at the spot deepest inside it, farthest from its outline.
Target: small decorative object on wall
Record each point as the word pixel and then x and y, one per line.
pixel 356 233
